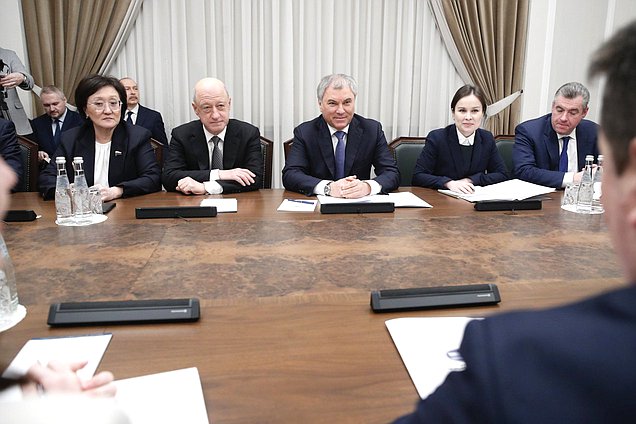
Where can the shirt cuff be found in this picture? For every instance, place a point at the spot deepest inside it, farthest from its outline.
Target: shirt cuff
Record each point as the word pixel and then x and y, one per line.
pixel 375 186
pixel 568 178
pixel 212 187
pixel 320 187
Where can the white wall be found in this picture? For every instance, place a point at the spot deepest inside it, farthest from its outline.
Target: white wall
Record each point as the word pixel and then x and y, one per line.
pixel 562 36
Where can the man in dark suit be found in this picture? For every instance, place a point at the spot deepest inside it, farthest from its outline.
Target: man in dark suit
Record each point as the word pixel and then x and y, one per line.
pixel 13 74
pixel 137 114
pixel 333 153
pixel 213 154
pixel 539 155
pixel 9 148
pixel 575 363
pixel 57 118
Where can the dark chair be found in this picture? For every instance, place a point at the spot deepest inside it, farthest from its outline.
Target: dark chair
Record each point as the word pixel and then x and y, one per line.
pixel 267 150
pixel 287 145
pixel 504 145
pixel 30 169
pixel 406 150
pixel 157 147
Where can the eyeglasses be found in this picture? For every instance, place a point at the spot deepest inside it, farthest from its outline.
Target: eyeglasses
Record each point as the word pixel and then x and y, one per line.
pixel 114 105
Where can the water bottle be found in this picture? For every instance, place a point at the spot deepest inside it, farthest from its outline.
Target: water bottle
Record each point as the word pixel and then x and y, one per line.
pixel 8 291
pixel 63 205
pixel 586 188
pixel 81 199
pixel 597 206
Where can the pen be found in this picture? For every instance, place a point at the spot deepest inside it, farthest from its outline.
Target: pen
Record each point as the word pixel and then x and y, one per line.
pixel 307 202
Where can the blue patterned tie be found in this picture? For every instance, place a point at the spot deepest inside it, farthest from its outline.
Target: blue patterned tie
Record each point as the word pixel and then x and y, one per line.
pixel 58 133
pixel 129 119
pixel 340 155
pixel 563 160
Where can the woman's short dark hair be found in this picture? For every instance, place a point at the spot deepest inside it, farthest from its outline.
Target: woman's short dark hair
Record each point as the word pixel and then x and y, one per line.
pixel 467 90
pixel 90 85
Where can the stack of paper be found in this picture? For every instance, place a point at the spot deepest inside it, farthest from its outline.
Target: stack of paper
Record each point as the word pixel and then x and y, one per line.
pixel 507 190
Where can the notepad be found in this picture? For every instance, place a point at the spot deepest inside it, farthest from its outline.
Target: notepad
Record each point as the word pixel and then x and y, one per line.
pixel 297 205
pixel 221 205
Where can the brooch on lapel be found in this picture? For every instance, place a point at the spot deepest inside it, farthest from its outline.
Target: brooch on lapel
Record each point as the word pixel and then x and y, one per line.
pixel 117 153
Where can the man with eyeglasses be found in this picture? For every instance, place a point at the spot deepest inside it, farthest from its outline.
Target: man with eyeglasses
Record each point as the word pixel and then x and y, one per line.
pixel 213 154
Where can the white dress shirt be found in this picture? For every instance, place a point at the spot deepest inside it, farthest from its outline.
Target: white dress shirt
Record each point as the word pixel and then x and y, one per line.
pixel 573 158
pixel 212 187
pixel 102 162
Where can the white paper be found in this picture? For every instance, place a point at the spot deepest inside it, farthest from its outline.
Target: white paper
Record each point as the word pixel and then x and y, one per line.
pixel 221 205
pixel 427 346
pixel 506 190
pixel 405 199
pixel 297 205
pixel 89 348
pixel 168 397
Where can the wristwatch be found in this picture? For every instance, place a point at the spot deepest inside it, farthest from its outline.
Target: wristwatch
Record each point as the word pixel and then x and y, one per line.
pixel 328 188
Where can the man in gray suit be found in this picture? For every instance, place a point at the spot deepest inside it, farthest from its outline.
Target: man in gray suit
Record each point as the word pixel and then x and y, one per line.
pixel 13 74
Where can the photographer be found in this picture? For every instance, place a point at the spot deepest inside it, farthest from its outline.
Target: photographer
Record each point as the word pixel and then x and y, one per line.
pixel 13 74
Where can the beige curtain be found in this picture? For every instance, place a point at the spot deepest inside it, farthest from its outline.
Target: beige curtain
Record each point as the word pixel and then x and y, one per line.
pixel 68 39
pixel 490 36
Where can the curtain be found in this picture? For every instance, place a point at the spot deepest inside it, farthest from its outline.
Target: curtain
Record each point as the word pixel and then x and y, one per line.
pixel 73 38
pixel 272 53
pixel 490 36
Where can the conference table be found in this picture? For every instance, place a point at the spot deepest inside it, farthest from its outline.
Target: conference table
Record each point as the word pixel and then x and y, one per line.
pixel 286 332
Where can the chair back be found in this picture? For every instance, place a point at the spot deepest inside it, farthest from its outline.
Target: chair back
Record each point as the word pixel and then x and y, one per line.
pixel 30 170
pixel 406 150
pixel 504 145
pixel 287 145
pixel 157 147
pixel 267 150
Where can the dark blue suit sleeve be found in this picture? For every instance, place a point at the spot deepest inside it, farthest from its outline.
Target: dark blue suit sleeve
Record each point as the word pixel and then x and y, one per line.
pixel 424 174
pixel 9 148
pixel 496 168
pixel 524 158
pixel 386 170
pixel 297 171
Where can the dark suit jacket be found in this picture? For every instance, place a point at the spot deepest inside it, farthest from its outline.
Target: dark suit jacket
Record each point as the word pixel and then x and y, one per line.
pixel 573 364
pixel 9 148
pixel 43 131
pixel 133 165
pixel 535 154
pixel 442 161
pixel 312 159
pixel 153 122
pixel 188 155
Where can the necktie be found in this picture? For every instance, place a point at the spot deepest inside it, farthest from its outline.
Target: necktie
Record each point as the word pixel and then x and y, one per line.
pixel 58 132
pixel 217 156
pixel 563 160
pixel 129 119
pixel 340 155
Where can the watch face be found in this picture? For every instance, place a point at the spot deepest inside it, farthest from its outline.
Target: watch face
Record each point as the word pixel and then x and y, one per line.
pixel 327 189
